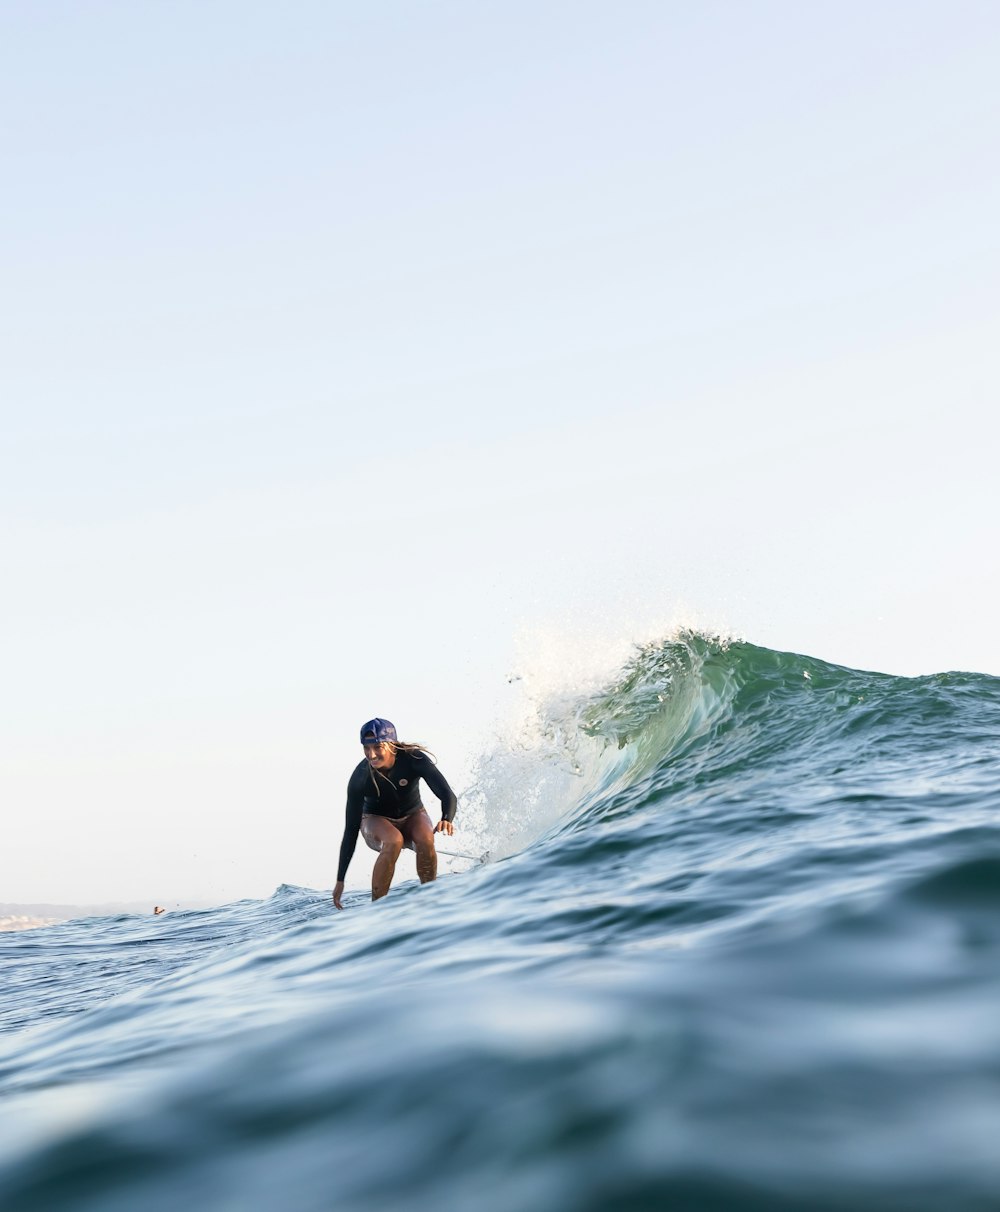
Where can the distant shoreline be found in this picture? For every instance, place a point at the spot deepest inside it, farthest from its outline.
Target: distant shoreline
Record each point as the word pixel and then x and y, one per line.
pixel 34 916
pixel 22 921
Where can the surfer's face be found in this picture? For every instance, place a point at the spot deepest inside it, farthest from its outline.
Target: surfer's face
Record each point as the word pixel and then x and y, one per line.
pixel 379 755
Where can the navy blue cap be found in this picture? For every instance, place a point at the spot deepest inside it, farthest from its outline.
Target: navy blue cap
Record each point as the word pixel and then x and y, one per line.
pixel 377 730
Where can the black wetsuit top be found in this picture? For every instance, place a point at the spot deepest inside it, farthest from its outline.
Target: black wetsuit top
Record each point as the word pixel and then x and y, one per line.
pixel 393 793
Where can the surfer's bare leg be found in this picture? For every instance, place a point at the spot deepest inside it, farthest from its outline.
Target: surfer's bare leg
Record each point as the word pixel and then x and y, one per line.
pixel 419 833
pixel 388 841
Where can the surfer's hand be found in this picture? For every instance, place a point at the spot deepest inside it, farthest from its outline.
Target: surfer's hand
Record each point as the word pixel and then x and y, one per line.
pixel 444 826
pixel 338 891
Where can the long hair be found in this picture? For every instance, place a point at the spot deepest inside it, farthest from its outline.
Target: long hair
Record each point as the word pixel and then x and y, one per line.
pixel 412 747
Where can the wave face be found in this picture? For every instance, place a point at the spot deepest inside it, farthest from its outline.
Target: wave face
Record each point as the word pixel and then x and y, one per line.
pixel 737 947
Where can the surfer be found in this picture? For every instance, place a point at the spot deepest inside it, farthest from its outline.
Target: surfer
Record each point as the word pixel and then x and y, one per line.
pixel 383 804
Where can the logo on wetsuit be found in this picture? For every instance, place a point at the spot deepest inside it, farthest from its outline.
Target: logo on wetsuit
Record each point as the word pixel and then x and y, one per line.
pixel 403 782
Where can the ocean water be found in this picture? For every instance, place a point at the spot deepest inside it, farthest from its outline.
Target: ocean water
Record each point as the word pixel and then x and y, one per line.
pixel 734 944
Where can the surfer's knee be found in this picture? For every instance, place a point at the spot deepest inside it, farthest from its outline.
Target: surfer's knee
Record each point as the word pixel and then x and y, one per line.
pixel 391 847
pixel 382 836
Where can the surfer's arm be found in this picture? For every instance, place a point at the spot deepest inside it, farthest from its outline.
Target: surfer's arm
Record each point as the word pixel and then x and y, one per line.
pixel 352 826
pixel 449 801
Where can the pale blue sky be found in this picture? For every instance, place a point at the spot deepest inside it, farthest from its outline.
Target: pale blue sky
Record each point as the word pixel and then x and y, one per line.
pixel 353 356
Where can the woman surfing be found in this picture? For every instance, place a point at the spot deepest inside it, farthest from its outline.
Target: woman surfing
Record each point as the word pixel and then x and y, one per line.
pixel 383 804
